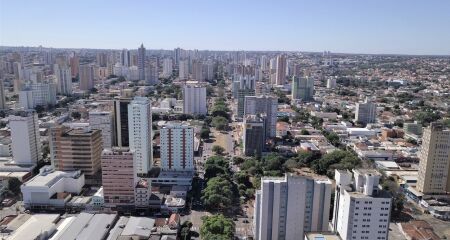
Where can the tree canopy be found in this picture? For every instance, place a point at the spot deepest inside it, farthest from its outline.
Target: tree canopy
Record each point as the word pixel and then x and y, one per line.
pixel 217 227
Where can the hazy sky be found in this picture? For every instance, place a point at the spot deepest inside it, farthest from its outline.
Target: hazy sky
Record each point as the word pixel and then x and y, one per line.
pixel 353 26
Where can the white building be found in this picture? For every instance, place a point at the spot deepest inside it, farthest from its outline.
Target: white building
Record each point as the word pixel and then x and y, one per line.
pixel 263 105
pixel 35 94
pixel 167 67
pixel 331 83
pixel 286 208
pixel 63 79
pixel 103 121
pixel 366 112
pixel 51 188
pixel 194 100
pixel 177 147
pixel 140 133
pixel 26 145
pixel 361 209
pixel 183 70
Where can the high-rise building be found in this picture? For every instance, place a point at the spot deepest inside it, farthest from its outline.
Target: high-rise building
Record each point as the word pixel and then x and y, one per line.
pixel 140 133
pixel 194 100
pixel 141 62
pixel 103 121
pixel 253 137
pixel 76 149
pixel 366 112
pixel 197 71
pixel 74 65
pixel 151 73
pixel 414 128
pixel 18 76
pixel 167 67
pixel 34 94
pixel 102 59
pixel 361 209
pixel 177 147
pixel 121 122
pixel 281 70
pixel 125 58
pixel 86 77
pixel 263 105
pixel 242 93
pixel 302 88
pixel 183 70
pixel 209 70
pixel 434 165
pixel 118 178
pixel 2 95
pixel 286 208
pixel 26 144
pixel 331 83
pixel 63 79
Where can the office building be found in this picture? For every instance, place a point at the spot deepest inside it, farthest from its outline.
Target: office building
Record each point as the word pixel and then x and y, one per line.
pixel 194 100
pixel 76 149
pixel 242 94
pixel 177 147
pixel 63 79
pixel 26 144
pixel 266 105
pixel 253 137
pixel 141 62
pixel 331 83
pixel 37 94
pixel 2 95
pixel 103 121
pixel 87 74
pixel 118 178
pixel 361 208
pixel 183 70
pixel 140 134
pixel 281 70
pixel 302 88
pixel 121 122
pixel 434 165
pixel 286 208
pixel 366 112
pixel 167 67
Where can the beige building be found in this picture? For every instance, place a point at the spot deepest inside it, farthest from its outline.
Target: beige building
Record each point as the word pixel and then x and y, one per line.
pixel 434 166
pixel 76 149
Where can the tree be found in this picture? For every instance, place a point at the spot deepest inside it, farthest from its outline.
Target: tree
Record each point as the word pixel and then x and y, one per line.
pixel 204 133
pixel 185 230
pixel 39 109
pixel 217 227
pixel 14 185
pixel 218 149
pixel 215 166
pixel 398 199
pixel 75 115
pixel 220 123
pixel 335 160
pixel 218 194
pixel 304 132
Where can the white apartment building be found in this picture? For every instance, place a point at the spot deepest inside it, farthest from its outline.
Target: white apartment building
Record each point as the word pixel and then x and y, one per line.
pixel 167 67
pixel 361 209
pixel 331 83
pixel 63 79
pixel 183 70
pixel 434 165
pixel 35 94
pixel 267 105
pixel 177 147
pixel 103 121
pixel 366 112
pixel 194 100
pixel 26 144
pixel 140 133
pixel 286 208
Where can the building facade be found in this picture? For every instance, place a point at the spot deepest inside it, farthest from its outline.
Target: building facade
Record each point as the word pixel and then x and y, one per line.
pixel 87 74
pixel 26 144
pixel 194 100
pixel 103 121
pixel 253 137
pixel 302 88
pixel 63 79
pixel 366 112
pixel 141 62
pixel 263 105
pixel 177 147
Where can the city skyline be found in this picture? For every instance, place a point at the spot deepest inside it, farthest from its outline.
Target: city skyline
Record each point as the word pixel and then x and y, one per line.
pixel 384 27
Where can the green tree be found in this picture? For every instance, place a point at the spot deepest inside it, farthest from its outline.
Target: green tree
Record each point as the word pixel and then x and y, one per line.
pixel 215 166
pixel 218 194
pixel 217 227
pixel 14 185
pixel 75 115
pixel 220 123
pixel 204 133
pixel 304 132
pixel 219 150
pixel 338 159
pixel 185 230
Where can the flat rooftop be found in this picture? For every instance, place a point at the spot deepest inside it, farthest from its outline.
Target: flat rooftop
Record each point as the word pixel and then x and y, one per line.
pixel 48 179
pixel 37 225
pixel 322 236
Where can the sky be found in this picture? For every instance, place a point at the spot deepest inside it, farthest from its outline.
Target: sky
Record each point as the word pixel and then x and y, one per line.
pixel 344 26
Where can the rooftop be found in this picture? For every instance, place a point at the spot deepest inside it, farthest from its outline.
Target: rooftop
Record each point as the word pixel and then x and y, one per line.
pixel 138 226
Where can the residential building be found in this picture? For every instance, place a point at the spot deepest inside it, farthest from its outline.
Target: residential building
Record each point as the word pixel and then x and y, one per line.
pixel 76 149
pixel 366 112
pixel 167 67
pixel 125 58
pixel 103 121
pixel 63 79
pixel 26 144
pixel 118 178
pixel 197 71
pixel 414 128
pixel 121 122
pixel 253 137
pixel 302 88
pixel 177 147
pixel 434 165
pixel 361 208
pixel 286 208
pixel 241 95
pixel 183 70
pixel 194 100
pixel 281 70
pixel 263 105
pixel 331 83
pixel 74 65
pixel 2 95
pixel 38 94
pixel 141 62
pixel 140 133
pixel 87 74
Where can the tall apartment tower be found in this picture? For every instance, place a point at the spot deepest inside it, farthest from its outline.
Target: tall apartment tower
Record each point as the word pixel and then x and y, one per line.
pixel 286 208
pixel 118 178
pixel 331 83
pixel 241 95
pixel 183 70
pixel 254 135
pixel 177 147
pixel 141 62
pixel 2 95
pixel 63 79
pixel 120 116
pixel 434 166
pixel 302 88
pixel 86 77
pixel 167 67
pixel 74 65
pixel 366 112
pixel 281 70
pixel 26 144
pixel 361 209
pixel 125 58
pixel 76 149
pixel 140 133
pixel 197 71
pixel 194 100
pixel 103 121
pixel 266 105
